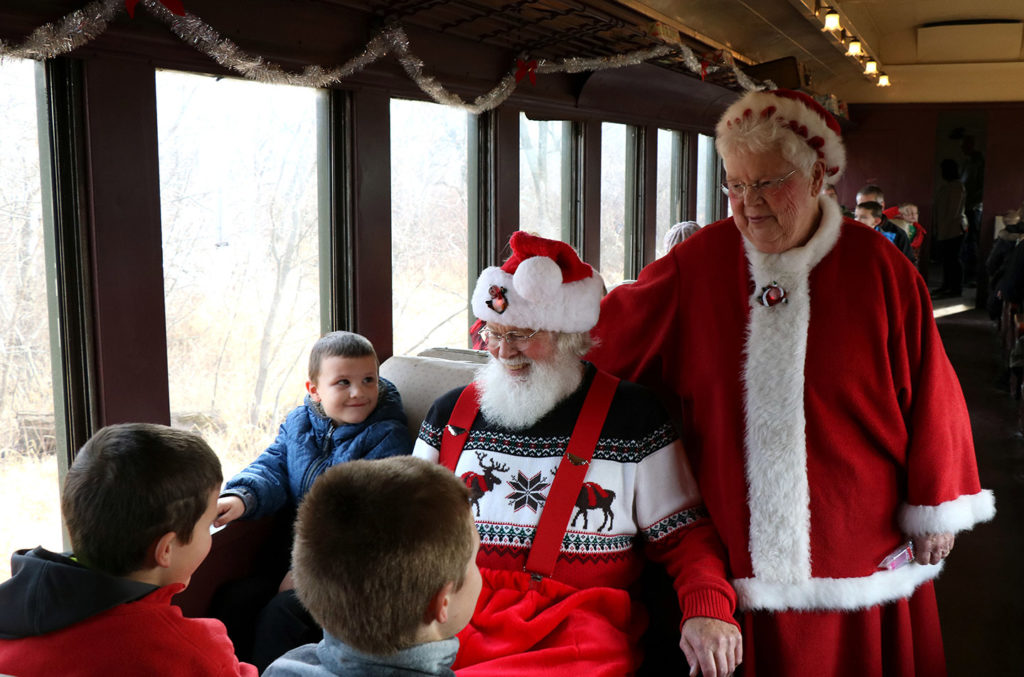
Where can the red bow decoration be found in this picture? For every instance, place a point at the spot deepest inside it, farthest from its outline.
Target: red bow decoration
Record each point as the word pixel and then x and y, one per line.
pixel 175 6
pixel 526 68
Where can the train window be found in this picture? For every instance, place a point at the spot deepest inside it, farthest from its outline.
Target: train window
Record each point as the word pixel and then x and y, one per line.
pixel 543 166
pixel 238 198
pixel 669 205
pixel 708 169
pixel 614 192
pixel 429 226
pixel 29 496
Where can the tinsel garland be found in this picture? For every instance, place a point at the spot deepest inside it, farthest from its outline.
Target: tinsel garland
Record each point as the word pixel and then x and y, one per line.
pixel 82 26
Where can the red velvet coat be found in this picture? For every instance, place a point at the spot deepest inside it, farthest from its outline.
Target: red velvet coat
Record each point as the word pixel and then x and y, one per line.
pixel 822 430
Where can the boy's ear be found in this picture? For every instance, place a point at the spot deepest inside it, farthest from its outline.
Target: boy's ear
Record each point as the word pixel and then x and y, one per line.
pixel 162 549
pixel 437 608
pixel 311 389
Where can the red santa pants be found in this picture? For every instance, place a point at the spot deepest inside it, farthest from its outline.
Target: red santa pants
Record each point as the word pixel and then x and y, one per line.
pixel 544 628
pixel 899 639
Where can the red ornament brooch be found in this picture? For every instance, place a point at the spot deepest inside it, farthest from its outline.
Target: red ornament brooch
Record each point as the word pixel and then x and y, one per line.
pixel 773 295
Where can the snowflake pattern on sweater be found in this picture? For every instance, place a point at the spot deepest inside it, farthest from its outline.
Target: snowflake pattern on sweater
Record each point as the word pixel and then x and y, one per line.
pixel 639 492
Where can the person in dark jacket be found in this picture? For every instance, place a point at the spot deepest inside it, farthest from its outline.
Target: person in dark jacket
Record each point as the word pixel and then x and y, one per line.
pixel 106 609
pixel 870 214
pixel 349 413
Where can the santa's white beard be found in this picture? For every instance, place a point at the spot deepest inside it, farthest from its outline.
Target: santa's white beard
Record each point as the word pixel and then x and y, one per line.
pixel 517 401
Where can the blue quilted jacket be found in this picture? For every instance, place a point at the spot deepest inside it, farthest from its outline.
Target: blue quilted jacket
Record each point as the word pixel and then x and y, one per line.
pixel 309 443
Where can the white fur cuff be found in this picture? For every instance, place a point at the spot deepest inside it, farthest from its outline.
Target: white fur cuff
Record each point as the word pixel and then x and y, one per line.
pixel 954 516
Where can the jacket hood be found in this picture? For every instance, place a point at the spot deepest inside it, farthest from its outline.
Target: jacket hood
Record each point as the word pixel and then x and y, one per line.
pixel 48 591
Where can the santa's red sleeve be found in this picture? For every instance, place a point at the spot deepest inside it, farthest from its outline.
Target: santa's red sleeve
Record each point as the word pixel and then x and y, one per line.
pixel 679 534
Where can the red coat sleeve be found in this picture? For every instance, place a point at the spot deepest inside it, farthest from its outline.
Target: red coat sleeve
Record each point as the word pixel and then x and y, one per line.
pixel 943 490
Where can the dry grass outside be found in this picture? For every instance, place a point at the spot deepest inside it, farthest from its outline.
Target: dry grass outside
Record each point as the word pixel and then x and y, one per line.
pixel 30 505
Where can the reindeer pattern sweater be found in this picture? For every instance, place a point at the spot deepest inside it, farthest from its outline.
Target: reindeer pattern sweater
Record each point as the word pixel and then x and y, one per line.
pixel 639 498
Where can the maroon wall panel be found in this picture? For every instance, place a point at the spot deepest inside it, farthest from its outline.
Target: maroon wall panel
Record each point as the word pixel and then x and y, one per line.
pixel 897 147
pixel 893 147
pixel 129 324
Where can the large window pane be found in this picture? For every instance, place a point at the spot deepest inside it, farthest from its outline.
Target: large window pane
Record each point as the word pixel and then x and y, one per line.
pixel 668 195
pixel 29 496
pixel 541 172
pixel 613 203
pixel 238 193
pixel 429 226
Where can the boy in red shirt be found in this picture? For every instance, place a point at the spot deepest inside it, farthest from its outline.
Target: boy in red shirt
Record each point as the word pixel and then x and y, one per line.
pixel 138 502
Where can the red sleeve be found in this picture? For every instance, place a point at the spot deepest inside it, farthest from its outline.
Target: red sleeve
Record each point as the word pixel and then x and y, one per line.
pixel 943 490
pixel 695 559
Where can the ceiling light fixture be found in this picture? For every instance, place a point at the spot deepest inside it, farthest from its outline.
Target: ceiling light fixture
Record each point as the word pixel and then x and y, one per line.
pixel 853 49
pixel 870 67
pixel 883 80
pixel 832 20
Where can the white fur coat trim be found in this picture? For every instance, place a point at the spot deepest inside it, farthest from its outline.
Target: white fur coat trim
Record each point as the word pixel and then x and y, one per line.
pixel 957 515
pixel 838 594
pixel 776 446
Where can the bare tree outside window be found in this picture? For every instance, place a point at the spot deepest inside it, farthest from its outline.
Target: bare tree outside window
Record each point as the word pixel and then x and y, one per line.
pixel 29 496
pixel 613 203
pixel 429 226
pixel 238 200
pixel 540 176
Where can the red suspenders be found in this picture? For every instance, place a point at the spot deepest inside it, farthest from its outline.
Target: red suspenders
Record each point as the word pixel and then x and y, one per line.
pixel 565 488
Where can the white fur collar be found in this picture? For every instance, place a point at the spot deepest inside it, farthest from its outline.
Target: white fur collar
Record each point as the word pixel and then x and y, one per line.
pixel 776 447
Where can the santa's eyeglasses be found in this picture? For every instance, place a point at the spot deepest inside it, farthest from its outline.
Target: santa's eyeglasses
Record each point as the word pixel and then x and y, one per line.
pixel 512 339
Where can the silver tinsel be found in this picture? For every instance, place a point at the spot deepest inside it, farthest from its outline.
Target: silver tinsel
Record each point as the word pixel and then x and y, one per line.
pixel 74 30
pixel 82 26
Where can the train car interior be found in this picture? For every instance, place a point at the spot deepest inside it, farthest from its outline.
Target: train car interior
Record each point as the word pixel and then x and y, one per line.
pixel 192 191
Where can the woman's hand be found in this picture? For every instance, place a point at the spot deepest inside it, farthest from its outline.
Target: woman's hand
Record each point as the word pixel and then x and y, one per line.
pixel 932 548
pixel 713 646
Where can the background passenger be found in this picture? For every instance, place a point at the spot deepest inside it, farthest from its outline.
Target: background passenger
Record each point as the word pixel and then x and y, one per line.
pixel 950 226
pixel 679 232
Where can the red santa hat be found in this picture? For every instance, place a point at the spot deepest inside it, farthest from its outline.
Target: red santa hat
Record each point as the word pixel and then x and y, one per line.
pixel 543 285
pixel 798 113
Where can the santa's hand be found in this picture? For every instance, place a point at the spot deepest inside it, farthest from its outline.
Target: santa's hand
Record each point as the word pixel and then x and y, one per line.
pixel 932 548
pixel 712 646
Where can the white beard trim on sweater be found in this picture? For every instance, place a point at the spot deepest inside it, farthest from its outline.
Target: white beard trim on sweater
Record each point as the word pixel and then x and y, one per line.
pixel 776 445
pixel 517 403
pixel 953 516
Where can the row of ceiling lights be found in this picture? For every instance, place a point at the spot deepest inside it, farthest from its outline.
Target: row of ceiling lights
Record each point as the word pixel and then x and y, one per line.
pixel 831 23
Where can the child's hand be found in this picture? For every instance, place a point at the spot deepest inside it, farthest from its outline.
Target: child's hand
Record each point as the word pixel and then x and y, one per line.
pixel 229 508
pixel 286 582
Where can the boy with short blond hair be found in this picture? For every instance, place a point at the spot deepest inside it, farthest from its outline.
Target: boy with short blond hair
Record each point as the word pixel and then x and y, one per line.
pixel 385 560
pixel 138 502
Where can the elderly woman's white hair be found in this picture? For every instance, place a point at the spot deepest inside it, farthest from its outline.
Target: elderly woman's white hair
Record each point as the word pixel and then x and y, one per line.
pixel 786 122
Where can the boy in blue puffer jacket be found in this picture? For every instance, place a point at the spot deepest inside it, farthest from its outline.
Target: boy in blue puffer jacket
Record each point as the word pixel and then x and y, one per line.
pixel 349 413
